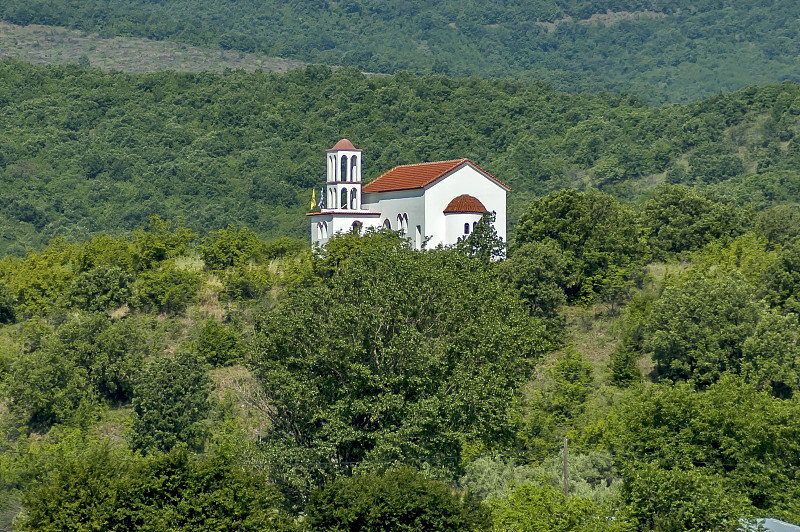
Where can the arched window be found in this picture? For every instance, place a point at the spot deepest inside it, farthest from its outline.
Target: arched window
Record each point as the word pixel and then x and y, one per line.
pixel 343 175
pixel 354 169
pixel 387 224
pixel 353 198
pixel 331 168
pixel 474 225
pixel 344 199
pixel 357 227
pixel 466 228
pixel 331 198
pixel 319 230
pixel 405 222
pixel 400 227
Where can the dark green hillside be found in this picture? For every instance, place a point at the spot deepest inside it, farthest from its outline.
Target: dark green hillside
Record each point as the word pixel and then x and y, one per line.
pixel 84 152
pixel 664 50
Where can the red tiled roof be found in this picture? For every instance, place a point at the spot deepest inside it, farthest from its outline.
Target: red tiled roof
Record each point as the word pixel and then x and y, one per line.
pixel 421 175
pixel 465 203
pixel 344 145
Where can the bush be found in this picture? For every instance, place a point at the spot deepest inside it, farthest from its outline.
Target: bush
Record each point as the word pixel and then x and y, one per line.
pixel 398 500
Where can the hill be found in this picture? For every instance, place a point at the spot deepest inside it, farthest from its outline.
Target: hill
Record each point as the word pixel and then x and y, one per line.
pixel 667 50
pixel 47 45
pixel 84 152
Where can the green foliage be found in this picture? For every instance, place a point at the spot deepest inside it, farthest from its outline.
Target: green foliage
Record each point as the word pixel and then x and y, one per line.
pixel 170 404
pixel 671 51
pixel 167 289
pixel 8 303
pixel 780 283
pixel 673 500
pixel 596 234
pixel 87 358
pixel 542 508
pixel 220 344
pixel 623 363
pixel 483 243
pixel 537 271
pixel 399 499
pixel 248 155
pixel 159 242
pixel 491 478
pixel 697 328
pixel 398 355
pixel 101 288
pixel 229 247
pixel 681 219
pixel 707 457
pixel 104 488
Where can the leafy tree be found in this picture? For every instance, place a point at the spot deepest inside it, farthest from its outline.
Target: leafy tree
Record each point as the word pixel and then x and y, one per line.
pixel 218 343
pixel 537 271
pixel 706 458
pixel 780 283
pixel 229 247
pixel 398 355
pixel 681 219
pixel 483 243
pixel 170 403
pixel 538 508
pixel 167 289
pixel 697 328
pixel 159 241
pixel 100 288
pixel 771 356
pixel 594 231
pixel 8 303
pixel 399 499
pixel 105 488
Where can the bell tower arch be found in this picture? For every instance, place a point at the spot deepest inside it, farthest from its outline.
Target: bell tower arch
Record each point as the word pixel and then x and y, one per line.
pixel 343 181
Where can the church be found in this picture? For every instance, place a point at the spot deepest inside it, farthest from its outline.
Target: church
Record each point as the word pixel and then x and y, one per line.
pixel 429 203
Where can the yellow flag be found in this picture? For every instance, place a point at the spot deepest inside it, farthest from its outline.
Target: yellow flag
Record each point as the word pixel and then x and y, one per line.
pixel 313 198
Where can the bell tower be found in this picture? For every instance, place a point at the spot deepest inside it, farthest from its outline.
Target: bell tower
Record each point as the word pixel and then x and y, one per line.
pixel 343 182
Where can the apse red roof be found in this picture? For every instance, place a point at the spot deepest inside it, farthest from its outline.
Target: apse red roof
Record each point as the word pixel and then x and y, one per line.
pixel 465 204
pixel 344 145
pixel 421 175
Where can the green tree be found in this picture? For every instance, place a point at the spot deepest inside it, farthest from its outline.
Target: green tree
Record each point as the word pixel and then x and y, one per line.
pixel 533 507
pixel 682 219
pixel 399 499
pixel 708 456
pixel 167 288
pixel 229 247
pixel 697 328
pixel 398 355
pixel 100 288
pixel 483 243
pixel 594 231
pixel 537 271
pixel 170 403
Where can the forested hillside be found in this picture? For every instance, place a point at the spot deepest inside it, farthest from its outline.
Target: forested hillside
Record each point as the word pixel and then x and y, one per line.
pixel 165 380
pixel 664 50
pixel 84 152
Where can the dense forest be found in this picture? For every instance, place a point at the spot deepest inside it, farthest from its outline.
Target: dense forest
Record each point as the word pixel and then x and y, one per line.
pixel 164 380
pixel 175 356
pixel 84 152
pixel 662 50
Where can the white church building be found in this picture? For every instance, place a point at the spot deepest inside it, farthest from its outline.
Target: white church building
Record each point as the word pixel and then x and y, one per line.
pixel 436 202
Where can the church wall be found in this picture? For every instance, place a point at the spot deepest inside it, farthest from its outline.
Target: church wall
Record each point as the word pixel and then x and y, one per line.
pixel 464 181
pixel 392 204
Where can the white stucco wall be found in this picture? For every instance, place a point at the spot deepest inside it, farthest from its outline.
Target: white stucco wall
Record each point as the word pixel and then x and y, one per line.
pixel 340 223
pixel 391 204
pixel 466 180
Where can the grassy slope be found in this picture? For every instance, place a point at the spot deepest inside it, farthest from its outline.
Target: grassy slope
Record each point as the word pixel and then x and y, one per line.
pixel 55 45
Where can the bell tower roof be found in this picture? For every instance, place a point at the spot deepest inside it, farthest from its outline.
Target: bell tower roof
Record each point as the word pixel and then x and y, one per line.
pixel 344 145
